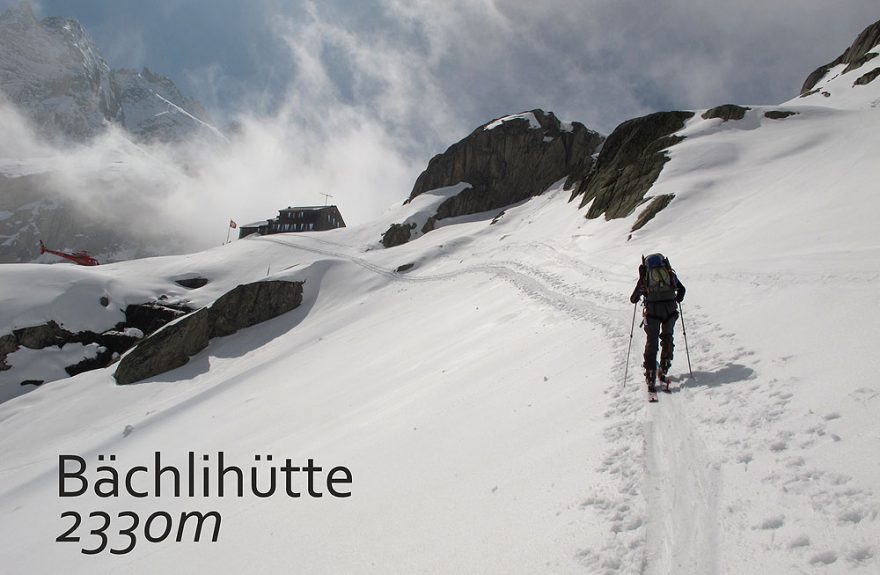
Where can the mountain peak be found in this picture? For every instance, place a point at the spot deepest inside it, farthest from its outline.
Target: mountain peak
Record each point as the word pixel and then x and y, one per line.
pixel 54 72
pixel 860 52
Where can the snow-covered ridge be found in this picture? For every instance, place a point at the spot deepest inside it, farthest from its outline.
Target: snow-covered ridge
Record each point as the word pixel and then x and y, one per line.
pixel 529 116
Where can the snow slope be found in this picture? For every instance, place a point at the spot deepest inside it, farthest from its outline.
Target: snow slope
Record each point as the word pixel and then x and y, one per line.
pixel 478 398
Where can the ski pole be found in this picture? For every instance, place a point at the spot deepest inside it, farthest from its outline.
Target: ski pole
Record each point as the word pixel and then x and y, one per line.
pixel 632 329
pixel 686 349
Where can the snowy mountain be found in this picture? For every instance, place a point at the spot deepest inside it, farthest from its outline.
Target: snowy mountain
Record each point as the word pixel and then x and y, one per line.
pixel 471 380
pixel 74 152
pixel 52 70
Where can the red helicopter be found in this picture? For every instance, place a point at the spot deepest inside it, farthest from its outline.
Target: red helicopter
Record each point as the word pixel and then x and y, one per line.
pixel 80 258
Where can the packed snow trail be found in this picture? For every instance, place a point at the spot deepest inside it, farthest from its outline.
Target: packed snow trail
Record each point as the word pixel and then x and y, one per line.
pixel 682 491
pixel 673 524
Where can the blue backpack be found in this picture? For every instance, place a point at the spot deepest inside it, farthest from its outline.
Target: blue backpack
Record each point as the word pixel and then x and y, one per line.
pixel 660 281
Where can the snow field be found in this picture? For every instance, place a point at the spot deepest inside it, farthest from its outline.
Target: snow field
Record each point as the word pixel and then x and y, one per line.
pixel 478 397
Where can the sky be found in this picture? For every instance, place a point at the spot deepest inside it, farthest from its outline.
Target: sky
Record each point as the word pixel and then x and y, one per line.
pixel 596 61
pixel 358 96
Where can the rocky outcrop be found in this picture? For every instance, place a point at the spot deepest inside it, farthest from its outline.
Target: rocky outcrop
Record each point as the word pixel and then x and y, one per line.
pixel 172 346
pixel 854 57
pixel 253 303
pixel 140 319
pixel 397 234
pixel 652 209
pixel 509 160
pixel 8 344
pixel 867 78
pixel 166 349
pixel 725 112
pixel 192 283
pixel 779 114
pixel 629 163
pixel 40 336
pixel 150 316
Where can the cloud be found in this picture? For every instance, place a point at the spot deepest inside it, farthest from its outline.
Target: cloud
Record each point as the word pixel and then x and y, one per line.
pixel 374 90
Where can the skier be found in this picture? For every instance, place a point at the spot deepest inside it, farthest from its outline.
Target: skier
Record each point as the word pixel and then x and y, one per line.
pixel 663 291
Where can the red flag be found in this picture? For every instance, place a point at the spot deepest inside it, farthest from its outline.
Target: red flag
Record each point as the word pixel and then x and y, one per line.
pixel 232 224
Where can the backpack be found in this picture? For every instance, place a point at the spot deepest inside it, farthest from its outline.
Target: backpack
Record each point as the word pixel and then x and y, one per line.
pixel 659 280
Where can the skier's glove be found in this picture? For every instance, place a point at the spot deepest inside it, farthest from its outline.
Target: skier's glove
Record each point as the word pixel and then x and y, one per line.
pixel 679 298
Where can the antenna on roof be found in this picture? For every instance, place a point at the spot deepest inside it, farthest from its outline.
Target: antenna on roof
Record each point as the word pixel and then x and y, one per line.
pixel 326 196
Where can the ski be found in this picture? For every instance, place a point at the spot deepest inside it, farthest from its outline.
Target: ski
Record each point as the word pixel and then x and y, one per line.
pixel 652 397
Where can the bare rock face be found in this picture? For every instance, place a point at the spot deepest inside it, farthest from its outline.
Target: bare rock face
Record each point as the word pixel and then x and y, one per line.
pixel 172 346
pixel 867 78
pixel 854 57
pixel 397 234
pixel 509 160
pixel 166 349
pixel 652 209
pixel 629 163
pixel 40 336
pixel 253 303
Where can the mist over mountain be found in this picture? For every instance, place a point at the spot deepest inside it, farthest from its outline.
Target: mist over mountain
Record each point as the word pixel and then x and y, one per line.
pixel 52 70
pixel 77 154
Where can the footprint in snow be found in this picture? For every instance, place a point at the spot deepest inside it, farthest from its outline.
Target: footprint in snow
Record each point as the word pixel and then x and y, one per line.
pixel 799 542
pixel 823 558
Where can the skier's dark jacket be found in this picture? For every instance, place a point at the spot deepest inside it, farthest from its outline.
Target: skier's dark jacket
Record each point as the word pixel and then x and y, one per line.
pixel 657 309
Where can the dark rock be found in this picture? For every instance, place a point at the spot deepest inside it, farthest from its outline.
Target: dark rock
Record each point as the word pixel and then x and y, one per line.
pixel 174 344
pixel 404 268
pixel 778 114
pixel 430 225
pixel 854 56
pixel 496 218
pixel 397 234
pixel 168 348
pixel 105 301
pixel 726 112
pixel 629 163
pixel 116 341
pixel 509 163
pixel 103 359
pixel 8 344
pixel 253 303
pixel 192 283
pixel 859 62
pixel 148 317
pixel 40 336
pixel 34 382
pixel 653 208
pixel 867 78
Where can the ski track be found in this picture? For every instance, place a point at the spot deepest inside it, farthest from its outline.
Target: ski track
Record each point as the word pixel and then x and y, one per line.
pixel 666 461
pixel 624 510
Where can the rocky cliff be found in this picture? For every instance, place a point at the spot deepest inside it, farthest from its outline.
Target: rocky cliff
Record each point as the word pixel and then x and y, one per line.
pixel 506 161
pixel 855 56
pixel 630 161
pixel 52 71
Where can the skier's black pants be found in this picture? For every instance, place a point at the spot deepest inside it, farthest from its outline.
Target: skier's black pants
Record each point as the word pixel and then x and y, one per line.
pixel 660 320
